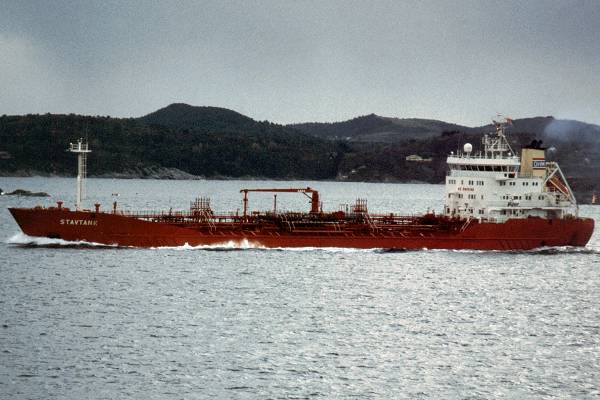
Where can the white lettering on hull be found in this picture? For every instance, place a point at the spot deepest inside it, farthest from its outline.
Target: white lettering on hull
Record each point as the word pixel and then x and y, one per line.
pixel 79 222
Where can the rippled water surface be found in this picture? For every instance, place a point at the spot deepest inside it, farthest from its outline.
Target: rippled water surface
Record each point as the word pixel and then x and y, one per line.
pixel 83 321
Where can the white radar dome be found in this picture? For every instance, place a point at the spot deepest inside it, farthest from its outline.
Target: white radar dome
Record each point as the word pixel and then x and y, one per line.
pixel 468 147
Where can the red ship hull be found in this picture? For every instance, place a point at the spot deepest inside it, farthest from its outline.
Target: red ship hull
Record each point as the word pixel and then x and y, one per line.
pixel 432 232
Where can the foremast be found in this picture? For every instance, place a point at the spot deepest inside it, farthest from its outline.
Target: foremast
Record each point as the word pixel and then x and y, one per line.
pixel 80 148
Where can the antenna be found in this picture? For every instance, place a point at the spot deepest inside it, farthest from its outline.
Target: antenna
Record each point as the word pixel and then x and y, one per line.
pixel 81 148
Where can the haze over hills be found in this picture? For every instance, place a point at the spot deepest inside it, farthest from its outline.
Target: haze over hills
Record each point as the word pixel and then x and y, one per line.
pixel 182 141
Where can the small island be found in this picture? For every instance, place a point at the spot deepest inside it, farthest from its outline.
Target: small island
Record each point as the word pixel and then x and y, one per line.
pixel 23 192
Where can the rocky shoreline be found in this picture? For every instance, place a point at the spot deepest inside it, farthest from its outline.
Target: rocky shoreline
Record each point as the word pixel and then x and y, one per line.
pixel 150 173
pixel 23 192
pixel 134 173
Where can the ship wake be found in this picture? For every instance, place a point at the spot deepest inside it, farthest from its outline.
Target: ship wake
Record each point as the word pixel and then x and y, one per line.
pixel 562 250
pixel 249 245
pixel 225 246
pixel 538 251
pixel 23 240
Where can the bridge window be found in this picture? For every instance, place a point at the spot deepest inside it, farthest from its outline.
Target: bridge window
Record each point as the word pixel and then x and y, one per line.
pixel 503 183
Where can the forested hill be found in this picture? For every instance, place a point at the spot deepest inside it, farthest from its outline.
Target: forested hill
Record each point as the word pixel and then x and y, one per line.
pixel 203 141
pixel 212 142
pixel 184 116
pixel 374 128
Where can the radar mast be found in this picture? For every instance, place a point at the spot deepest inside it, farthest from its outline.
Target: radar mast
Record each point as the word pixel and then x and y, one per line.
pixel 497 146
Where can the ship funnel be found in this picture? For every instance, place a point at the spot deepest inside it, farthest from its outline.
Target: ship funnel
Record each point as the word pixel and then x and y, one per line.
pixel 533 161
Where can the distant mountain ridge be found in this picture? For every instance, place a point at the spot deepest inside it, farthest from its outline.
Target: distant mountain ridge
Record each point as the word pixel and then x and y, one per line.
pixel 374 128
pixel 367 128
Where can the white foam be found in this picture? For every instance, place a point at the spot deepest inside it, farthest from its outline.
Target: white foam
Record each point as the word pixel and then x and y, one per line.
pixel 245 244
pixel 229 245
pixel 327 249
pixel 23 239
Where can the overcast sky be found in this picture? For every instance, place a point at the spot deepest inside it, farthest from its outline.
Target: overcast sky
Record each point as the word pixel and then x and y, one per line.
pixel 296 61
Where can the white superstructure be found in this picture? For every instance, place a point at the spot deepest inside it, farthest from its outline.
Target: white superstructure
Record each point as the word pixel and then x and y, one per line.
pixel 495 184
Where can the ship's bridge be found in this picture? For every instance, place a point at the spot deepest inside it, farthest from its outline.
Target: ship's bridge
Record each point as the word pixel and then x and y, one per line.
pixel 482 163
pixel 496 184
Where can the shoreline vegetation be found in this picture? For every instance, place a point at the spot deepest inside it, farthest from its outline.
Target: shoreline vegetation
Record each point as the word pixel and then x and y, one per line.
pixel 186 142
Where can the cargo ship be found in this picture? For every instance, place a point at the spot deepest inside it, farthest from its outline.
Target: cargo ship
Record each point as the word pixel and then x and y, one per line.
pixel 494 200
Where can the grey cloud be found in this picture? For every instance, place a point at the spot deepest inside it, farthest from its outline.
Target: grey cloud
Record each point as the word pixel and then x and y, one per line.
pixel 290 61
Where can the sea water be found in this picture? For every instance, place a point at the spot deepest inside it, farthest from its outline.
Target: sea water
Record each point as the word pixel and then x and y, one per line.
pixel 80 320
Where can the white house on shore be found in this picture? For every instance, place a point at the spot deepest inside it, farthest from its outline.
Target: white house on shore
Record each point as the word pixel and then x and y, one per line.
pixel 417 158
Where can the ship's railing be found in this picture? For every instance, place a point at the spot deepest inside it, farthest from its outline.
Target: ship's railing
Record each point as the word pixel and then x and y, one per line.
pixel 529 175
pixel 295 221
pixel 483 156
pixel 170 214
